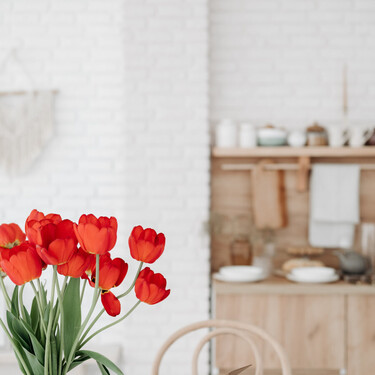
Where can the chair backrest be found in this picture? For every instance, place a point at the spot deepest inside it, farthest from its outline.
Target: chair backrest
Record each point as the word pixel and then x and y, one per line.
pixel 220 327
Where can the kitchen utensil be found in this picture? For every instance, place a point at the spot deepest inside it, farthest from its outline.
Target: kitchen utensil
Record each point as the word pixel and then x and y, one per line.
pixel 240 271
pixel 359 135
pixel 371 140
pixel 239 278
pixel 337 135
pixel 352 262
pixel 226 133
pixel 296 279
pixel 247 136
pixel 240 251
pixel 271 136
pixel 297 138
pixel 316 135
pixel 268 194
pixel 313 273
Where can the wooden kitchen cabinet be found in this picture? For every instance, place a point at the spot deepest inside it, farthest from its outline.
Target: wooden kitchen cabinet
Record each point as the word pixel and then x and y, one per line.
pixel 322 327
pixel 361 335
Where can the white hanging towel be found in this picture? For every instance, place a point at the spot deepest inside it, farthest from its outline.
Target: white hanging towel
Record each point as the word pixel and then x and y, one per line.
pixel 334 204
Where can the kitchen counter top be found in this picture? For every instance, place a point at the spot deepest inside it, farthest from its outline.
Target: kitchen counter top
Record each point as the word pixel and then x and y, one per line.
pixel 279 285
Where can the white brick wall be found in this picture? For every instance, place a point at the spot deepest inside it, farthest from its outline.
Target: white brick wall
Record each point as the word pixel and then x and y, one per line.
pixel 131 138
pixel 281 61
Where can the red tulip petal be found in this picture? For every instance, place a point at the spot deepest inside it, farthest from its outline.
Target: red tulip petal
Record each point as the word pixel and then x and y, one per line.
pixel 123 268
pixel 149 235
pixel 142 290
pixel 65 229
pixel 136 232
pixel 111 303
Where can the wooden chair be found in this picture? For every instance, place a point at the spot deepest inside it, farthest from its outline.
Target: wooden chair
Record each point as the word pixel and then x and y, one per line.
pixel 221 327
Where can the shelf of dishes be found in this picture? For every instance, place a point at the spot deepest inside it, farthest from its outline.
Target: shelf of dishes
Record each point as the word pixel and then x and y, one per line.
pixel 229 134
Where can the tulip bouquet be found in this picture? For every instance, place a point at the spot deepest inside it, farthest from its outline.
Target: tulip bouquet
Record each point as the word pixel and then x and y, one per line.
pixel 48 336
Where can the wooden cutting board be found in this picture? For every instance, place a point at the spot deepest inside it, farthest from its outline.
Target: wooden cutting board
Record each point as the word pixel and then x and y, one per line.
pixel 268 195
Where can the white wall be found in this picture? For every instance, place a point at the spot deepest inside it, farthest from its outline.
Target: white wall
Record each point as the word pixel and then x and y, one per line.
pixel 281 61
pixel 131 139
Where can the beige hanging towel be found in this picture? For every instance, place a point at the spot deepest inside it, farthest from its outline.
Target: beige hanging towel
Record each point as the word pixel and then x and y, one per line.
pixel 269 203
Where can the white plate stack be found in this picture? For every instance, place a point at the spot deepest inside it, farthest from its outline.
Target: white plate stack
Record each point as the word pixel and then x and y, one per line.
pixel 313 275
pixel 240 274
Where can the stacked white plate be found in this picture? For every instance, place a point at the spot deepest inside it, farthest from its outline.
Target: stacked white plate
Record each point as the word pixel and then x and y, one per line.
pixel 313 275
pixel 240 274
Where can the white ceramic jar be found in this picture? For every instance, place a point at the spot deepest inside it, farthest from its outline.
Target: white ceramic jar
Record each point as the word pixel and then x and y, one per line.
pixel 226 133
pixel 297 138
pixel 247 136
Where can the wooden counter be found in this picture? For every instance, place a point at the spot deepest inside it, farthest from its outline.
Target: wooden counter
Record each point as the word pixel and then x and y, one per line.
pixel 328 327
pixel 281 286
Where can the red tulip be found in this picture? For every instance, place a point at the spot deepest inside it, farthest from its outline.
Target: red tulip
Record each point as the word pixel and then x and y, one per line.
pixel 76 266
pixel 35 221
pixel 110 303
pixel 21 263
pixel 57 242
pixel 96 236
pixel 150 287
pixel 145 245
pixel 11 235
pixel 111 272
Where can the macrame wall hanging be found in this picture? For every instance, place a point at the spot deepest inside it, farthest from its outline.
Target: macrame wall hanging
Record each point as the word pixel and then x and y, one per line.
pixel 26 121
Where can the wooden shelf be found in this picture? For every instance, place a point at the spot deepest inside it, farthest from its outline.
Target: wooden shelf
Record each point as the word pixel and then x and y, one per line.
pixel 281 286
pixel 284 152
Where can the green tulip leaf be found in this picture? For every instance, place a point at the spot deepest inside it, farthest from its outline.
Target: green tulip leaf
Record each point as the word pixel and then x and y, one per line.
pixel 38 348
pixel 79 360
pixel 102 360
pixel 71 314
pixel 37 368
pixel 34 315
pixel 18 347
pixel 18 331
pixel 103 369
pixel 26 315
pixel 14 305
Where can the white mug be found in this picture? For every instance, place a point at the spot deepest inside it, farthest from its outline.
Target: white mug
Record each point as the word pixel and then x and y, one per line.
pixel 358 136
pixel 297 138
pixel 226 133
pixel 247 136
pixel 337 135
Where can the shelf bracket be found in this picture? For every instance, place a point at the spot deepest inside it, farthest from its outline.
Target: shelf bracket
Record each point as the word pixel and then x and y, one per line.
pixel 304 165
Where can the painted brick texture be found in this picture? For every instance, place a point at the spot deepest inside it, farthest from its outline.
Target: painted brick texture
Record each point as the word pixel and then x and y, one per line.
pixel 281 61
pixel 131 140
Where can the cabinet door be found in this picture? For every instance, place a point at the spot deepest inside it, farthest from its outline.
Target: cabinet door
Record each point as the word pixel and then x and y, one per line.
pixel 311 328
pixel 361 335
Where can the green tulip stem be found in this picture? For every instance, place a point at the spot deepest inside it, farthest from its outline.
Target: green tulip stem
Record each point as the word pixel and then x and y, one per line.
pixel 39 304
pixel 21 302
pixel 133 283
pixel 5 293
pixel 83 326
pixel 60 299
pixel 15 348
pixel 47 361
pixel 83 289
pixel 103 310
pixel 40 287
pixel 112 324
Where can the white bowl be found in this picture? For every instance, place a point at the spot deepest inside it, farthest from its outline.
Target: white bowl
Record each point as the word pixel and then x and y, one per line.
pixel 240 271
pixel 313 273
